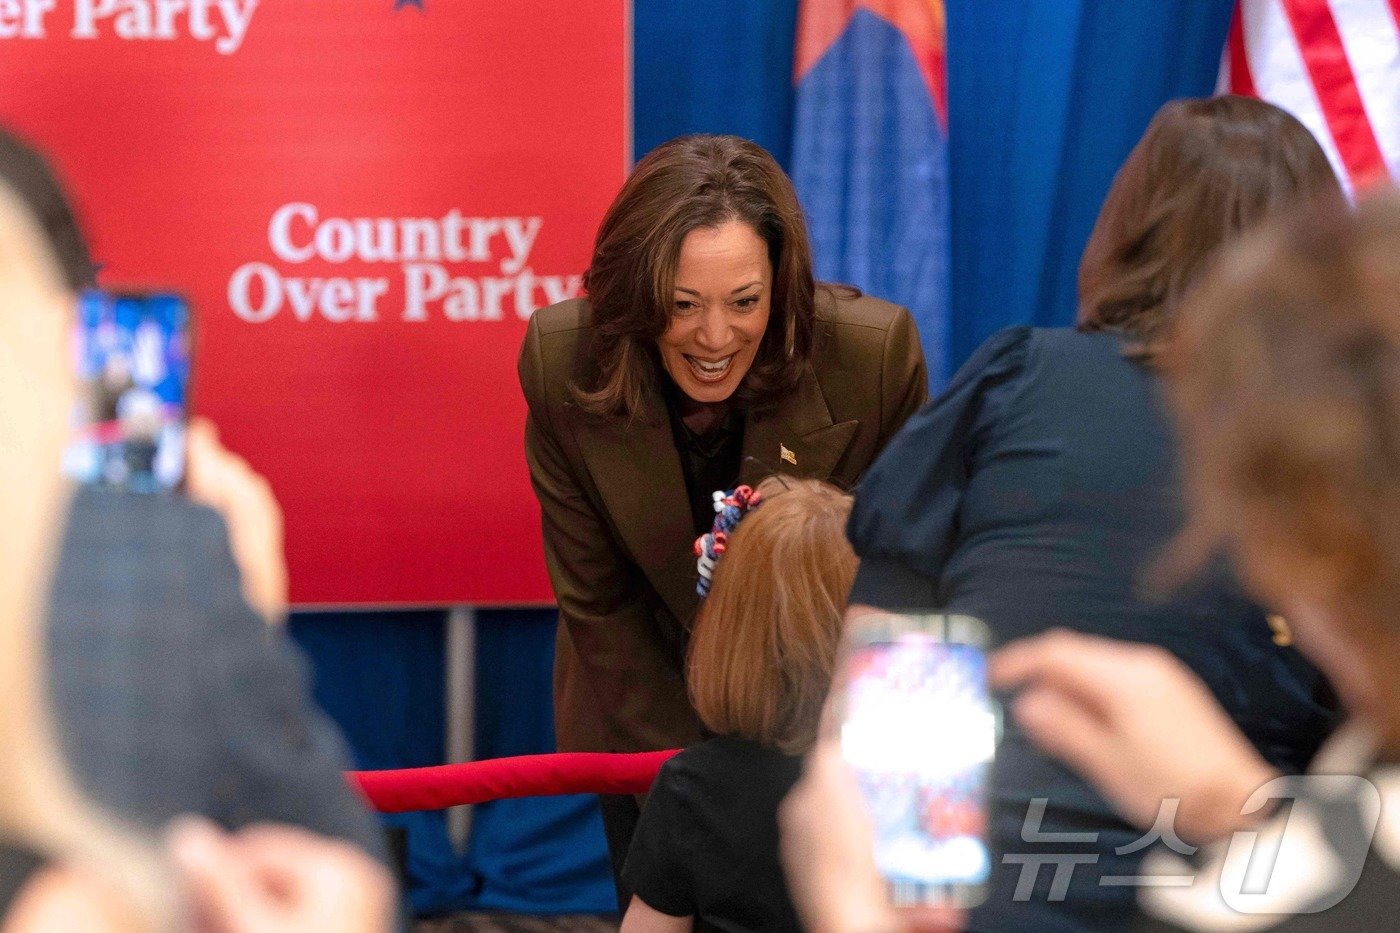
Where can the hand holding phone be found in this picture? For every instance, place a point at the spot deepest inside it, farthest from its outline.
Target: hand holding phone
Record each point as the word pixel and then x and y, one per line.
pixel 828 857
pixel 226 483
pixel 918 729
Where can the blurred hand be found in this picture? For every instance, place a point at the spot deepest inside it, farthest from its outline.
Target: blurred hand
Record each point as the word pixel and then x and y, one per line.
pixel 279 879
pixel 828 855
pixel 1137 724
pixel 227 484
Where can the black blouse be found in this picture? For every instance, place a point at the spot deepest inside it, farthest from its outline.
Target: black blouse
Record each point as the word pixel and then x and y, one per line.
pixel 709 461
pixel 707 842
pixel 17 867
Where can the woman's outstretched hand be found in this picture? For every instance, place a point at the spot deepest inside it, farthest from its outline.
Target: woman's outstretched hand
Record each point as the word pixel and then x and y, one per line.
pixel 1137 724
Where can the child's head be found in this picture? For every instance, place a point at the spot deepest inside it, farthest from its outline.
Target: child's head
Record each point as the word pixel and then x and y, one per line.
pixel 764 644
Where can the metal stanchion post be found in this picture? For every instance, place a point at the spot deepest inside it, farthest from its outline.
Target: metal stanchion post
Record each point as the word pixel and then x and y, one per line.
pixel 461 708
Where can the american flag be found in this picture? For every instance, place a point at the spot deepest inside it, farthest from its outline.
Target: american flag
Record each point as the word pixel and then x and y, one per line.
pixel 1335 65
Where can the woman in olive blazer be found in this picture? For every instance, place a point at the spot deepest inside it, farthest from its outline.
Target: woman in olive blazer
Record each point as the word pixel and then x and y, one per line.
pixel 705 356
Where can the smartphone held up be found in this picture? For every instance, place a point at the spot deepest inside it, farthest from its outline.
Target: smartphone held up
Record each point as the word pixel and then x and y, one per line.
pixel 919 729
pixel 132 354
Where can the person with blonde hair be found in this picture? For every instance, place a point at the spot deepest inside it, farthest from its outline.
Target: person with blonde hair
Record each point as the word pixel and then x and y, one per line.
pixel 1285 379
pixel 760 661
pixel 1039 488
pixel 1283 373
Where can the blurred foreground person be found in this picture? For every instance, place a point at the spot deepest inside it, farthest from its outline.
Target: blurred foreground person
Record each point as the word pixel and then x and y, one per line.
pixel 760 663
pixel 1040 487
pixel 1286 384
pixel 170 694
pixel 64 865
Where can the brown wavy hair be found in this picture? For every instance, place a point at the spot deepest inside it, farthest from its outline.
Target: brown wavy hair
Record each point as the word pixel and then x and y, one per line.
pixel 1285 379
pixel 687 184
pixel 1204 171
pixel 763 650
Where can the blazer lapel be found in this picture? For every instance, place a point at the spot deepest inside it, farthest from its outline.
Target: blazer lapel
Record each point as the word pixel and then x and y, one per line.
pixel 637 472
pixel 797 437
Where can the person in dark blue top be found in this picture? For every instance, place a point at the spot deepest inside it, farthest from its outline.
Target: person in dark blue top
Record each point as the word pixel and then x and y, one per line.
pixel 1040 490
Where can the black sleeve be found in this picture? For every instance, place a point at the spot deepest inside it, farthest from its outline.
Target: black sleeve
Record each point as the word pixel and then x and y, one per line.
pixel 284 756
pixel 904 522
pixel 17 868
pixel 172 695
pixel 658 868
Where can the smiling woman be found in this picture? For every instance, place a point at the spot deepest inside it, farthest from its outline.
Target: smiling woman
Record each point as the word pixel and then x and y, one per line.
pixel 716 326
pixel 704 355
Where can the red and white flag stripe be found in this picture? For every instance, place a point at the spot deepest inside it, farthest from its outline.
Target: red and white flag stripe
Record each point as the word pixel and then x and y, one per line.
pixel 1335 65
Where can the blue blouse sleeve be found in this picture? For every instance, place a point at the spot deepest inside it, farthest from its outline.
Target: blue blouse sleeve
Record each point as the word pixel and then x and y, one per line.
pixel 904 522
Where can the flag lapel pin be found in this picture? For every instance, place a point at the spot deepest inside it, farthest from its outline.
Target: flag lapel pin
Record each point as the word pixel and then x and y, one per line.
pixel 786 455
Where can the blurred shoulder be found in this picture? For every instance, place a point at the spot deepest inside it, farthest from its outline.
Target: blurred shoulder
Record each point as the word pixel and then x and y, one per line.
pixel 854 314
pixel 1021 349
pixel 565 317
pixel 720 760
pixel 694 766
pixel 855 332
pixel 1069 342
pixel 552 353
pixel 141 531
pixel 130 561
pixel 1064 355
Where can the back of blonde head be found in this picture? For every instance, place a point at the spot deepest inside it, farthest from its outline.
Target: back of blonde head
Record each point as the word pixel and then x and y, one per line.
pixel 764 646
pixel 1286 382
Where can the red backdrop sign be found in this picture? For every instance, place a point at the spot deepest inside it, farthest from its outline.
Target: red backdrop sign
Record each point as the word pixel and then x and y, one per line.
pixel 365 200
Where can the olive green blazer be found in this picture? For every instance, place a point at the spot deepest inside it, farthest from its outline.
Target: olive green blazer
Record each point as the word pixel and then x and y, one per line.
pixel 618 533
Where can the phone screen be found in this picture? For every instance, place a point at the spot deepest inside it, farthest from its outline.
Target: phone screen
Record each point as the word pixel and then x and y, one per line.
pixel 920 730
pixel 132 356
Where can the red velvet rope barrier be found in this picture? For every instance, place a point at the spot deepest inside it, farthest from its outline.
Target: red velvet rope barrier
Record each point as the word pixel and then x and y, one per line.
pixel 499 778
